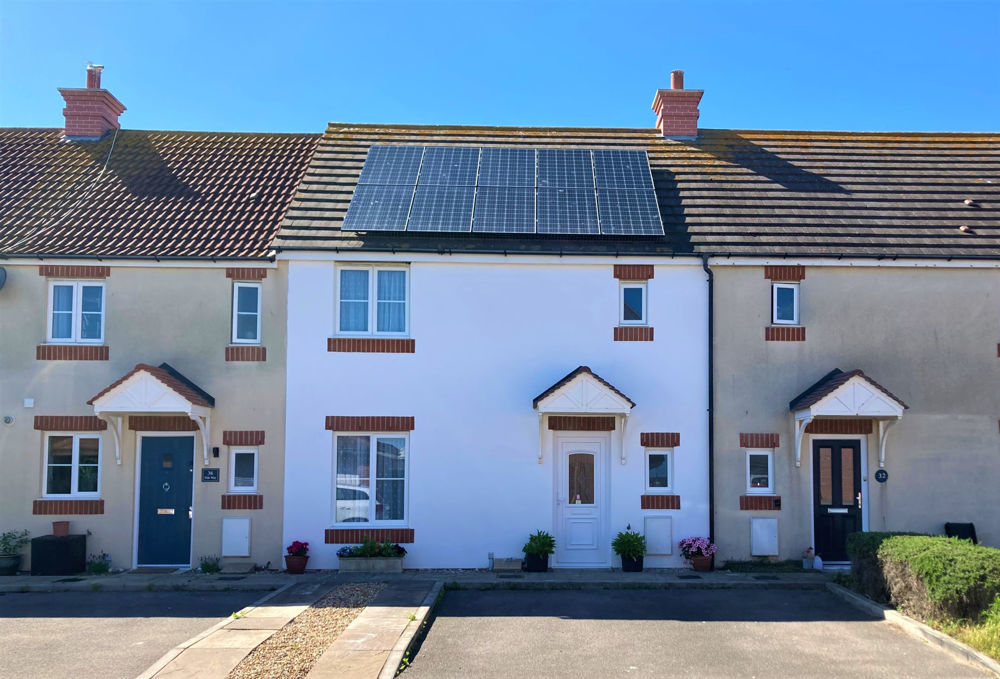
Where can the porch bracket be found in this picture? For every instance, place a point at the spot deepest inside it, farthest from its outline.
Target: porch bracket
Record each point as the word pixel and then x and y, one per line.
pixel 204 423
pixel 883 432
pixel 115 425
pixel 541 436
pixel 800 430
pixel 624 424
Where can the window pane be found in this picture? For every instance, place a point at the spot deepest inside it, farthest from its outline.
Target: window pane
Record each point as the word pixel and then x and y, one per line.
pixel 60 450
pixel 246 326
pixel 581 479
pixel 389 497
pixel 58 480
pixel 87 478
pixel 93 298
pixel 825 476
pixel 391 458
pixel 62 325
pixel 759 471
pixel 246 299
pixel 658 471
pixel 392 286
pixel 90 326
pixel 353 459
pixel 89 450
pixel 391 317
pixel 243 472
pixel 785 304
pixel 847 491
pixel 62 298
pixel 354 316
pixel 633 304
pixel 353 285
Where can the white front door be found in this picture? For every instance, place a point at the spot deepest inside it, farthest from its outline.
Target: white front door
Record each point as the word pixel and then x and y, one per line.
pixel 581 501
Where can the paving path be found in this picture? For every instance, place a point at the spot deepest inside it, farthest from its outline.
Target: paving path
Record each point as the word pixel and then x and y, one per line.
pixel 668 633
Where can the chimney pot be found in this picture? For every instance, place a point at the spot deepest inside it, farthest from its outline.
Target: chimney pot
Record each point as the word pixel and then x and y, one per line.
pixel 676 80
pixel 94 76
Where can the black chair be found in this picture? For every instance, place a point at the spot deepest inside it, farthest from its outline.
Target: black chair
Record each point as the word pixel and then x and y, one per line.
pixel 965 531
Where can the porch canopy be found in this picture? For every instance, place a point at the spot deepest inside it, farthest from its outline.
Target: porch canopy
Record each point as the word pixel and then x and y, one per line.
pixel 582 392
pixel 153 390
pixel 846 395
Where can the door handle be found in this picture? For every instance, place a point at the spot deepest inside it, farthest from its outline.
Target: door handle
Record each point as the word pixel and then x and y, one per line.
pixel 190 513
pixel 859 499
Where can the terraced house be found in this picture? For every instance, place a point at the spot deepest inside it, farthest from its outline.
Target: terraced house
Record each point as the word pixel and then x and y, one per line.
pixel 142 332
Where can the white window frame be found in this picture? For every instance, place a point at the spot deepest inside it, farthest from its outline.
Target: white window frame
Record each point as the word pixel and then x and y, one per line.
pixel 372 270
pixel 642 285
pixel 794 287
pixel 77 323
pixel 669 489
pixel 233 488
pixel 75 465
pixel 372 470
pixel 236 292
pixel 770 473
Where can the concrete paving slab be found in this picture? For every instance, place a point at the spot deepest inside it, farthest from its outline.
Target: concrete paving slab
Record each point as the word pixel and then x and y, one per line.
pixel 203 663
pixel 336 663
pixel 287 611
pixel 258 623
pixel 234 638
pixel 369 638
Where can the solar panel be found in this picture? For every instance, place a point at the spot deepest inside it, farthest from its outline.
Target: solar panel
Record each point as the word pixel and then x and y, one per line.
pixel 565 168
pixel 621 169
pixel 504 209
pixel 628 213
pixel 391 165
pixel 449 166
pixel 507 167
pixel 378 208
pixel 442 208
pixel 567 211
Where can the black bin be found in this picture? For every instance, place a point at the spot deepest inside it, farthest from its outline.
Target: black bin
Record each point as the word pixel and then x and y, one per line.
pixel 965 531
pixel 65 555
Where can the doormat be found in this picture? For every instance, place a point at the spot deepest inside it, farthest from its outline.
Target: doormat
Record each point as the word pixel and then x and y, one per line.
pixel 232 577
pixel 509 576
pixel 766 577
pixel 689 577
pixel 152 569
pixel 69 579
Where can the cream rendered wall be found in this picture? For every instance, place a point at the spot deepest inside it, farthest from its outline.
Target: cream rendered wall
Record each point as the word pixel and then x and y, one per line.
pixel 490 336
pixel 175 314
pixel 929 335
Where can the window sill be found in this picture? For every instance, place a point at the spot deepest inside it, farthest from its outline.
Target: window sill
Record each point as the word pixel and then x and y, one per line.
pixel 785 333
pixel 633 333
pixel 67 506
pixel 760 502
pixel 371 345
pixel 72 352
pixel 341 536
pixel 246 352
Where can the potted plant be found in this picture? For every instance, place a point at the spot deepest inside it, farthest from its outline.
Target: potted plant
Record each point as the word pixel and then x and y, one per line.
pixel 808 557
pixel 298 555
pixel 372 557
pixel 630 545
pixel 11 543
pixel 536 551
pixel 699 552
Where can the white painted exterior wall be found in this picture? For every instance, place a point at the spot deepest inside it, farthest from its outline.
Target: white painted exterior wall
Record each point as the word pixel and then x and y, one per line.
pixel 492 333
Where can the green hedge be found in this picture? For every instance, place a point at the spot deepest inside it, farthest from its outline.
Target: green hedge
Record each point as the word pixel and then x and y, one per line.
pixel 930 576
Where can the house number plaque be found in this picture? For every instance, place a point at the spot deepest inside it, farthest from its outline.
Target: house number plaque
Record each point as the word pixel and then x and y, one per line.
pixel 881 476
pixel 210 474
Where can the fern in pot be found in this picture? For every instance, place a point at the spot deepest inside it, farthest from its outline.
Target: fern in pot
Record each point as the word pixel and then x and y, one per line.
pixel 630 545
pixel 536 552
pixel 11 544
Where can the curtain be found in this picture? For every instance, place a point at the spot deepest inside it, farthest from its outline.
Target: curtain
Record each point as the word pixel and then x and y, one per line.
pixel 391 301
pixel 353 300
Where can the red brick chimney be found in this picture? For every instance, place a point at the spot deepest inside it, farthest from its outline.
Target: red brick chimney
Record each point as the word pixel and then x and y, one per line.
pixel 91 111
pixel 677 108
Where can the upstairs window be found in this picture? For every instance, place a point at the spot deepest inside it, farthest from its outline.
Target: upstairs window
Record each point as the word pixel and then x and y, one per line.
pixel 785 303
pixel 372 300
pixel 72 465
pixel 246 313
pixel 760 472
pixel 632 304
pixel 76 312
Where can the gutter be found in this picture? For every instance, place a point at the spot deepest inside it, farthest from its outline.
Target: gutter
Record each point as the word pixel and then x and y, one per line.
pixel 711 398
pixel 147 258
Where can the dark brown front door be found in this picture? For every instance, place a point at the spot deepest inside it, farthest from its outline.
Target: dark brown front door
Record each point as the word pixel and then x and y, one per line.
pixel 836 496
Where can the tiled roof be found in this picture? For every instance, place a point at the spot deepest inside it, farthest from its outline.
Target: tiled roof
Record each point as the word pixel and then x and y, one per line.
pixel 170 378
pixel 572 376
pixel 163 194
pixel 727 193
pixel 829 383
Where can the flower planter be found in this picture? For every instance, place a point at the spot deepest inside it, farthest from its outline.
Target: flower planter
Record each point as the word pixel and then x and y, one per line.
pixel 371 564
pixel 536 563
pixel 9 564
pixel 296 565
pixel 630 565
pixel 702 564
pixel 60 529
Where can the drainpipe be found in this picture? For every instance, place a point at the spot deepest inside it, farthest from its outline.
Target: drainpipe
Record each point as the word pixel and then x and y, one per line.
pixel 711 398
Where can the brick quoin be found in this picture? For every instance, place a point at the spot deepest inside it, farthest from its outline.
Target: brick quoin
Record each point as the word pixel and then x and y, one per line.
pixel 67 507
pixel 69 423
pixel 242 501
pixel 633 333
pixel 73 271
pixel 580 423
pixel 785 333
pixel 659 439
pixel 785 273
pixel 660 502
pixel 344 536
pixel 246 273
pixel 758 440
pixel 161 423
pixel 839 427
pixel 634 272
pixel 371 345
pixel 242 438
pixel 368 423
pixel 72 352
pixel 760 502
pixel 246 353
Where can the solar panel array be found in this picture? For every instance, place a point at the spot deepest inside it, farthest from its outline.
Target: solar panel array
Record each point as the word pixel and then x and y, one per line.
pixel 505 190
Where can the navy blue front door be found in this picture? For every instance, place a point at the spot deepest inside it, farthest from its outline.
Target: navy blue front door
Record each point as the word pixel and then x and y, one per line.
pixel 165 487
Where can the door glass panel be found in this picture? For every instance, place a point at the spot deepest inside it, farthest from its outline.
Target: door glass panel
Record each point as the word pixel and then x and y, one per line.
pixel 581 479
pixel 825 476
pixel 847 475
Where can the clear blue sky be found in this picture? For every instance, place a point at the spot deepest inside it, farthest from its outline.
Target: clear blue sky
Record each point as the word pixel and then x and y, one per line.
pixel 293 66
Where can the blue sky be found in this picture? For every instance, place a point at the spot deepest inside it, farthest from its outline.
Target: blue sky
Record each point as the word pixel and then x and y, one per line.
pixel 293 66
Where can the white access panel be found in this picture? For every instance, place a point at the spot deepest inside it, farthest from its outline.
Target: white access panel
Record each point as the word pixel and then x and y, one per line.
pixel 236 536
pixel 763 537
pixel 659 535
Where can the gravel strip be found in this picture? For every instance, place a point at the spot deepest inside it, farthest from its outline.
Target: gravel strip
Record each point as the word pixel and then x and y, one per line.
pixel 292 651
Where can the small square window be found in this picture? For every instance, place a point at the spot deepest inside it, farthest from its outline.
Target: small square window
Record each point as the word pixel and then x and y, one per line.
pixel 76 312
pixel 760 472
pixel 243 470
pixel 785 303
pixel 246 313
pixel 659 470
pixel 632 304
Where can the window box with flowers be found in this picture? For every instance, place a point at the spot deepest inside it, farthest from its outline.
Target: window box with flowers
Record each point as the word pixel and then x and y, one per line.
pixel 298 555
pixel 371 557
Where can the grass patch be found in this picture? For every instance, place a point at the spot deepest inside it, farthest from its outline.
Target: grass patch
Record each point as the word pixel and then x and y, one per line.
pixel 984 636
pixel 761 566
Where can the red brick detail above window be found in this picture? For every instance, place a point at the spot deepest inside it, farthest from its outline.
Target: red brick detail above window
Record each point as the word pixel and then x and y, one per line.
pixel 659 439
pixel 242 501
pixel 371 345
pixel 73 271
pixel 246 273
pixel 760 502
pixel 758 440
pixel 69 423
pixel 785 333
pixel 633 333
pixel 660 502
pixel 246 353
pixel 634 272
pixel 581 423
pixel 63 507
pixel 350 536
pixel 242 438
pixel 72 352
pixel 368 423
pixel 839 427
pixel 785 273
pixel 161 423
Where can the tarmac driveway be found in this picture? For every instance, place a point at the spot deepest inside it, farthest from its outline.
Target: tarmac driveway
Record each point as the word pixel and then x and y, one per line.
pixel 102 634
pixel 668 633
